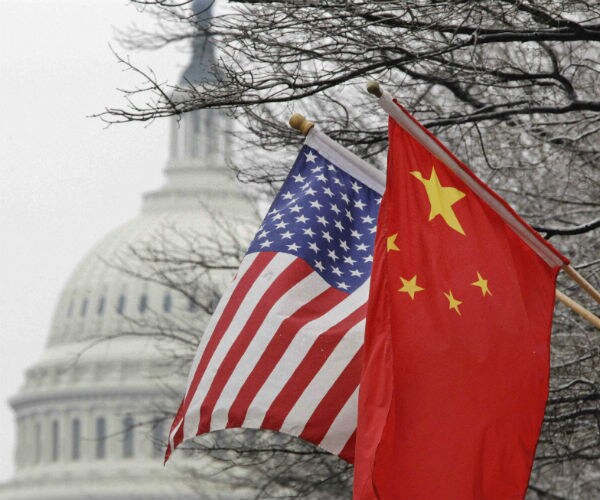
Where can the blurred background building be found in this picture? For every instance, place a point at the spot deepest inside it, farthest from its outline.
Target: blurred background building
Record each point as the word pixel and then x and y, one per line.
pixel 90 416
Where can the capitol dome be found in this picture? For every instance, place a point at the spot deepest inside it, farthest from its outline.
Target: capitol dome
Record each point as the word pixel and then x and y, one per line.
pixel 91 413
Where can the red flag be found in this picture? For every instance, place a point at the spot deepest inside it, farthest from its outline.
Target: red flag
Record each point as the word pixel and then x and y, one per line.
pixel 456 367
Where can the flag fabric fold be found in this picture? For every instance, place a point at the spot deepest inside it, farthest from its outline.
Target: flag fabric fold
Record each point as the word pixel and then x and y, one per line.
pixel 283 349
pixel 456 354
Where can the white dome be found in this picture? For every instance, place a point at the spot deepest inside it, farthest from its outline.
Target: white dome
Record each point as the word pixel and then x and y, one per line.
pixel 104 293
pixel 113 293
pixel 98 377
pixel 91 411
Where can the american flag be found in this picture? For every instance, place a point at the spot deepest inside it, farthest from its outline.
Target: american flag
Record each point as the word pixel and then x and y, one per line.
pixel 283 348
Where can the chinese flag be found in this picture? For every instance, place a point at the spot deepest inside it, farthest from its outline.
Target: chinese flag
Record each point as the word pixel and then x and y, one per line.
pixel 456 367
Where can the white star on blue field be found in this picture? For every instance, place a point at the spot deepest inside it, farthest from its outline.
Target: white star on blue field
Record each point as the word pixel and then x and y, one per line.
pixel 325 217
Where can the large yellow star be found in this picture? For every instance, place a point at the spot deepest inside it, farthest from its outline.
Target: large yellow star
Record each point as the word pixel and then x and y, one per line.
pixel 452 302
pixel 391 242
pixel 410 286
pixel 441 199
pixel 483 284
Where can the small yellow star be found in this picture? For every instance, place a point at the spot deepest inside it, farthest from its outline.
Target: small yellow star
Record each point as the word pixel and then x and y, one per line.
pixel 452 302
pixel 410 286
pixel 391 243
pixel 441 199
pixel 483 284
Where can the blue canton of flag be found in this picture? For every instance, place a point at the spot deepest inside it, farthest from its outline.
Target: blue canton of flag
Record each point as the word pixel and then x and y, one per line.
pixel 327 218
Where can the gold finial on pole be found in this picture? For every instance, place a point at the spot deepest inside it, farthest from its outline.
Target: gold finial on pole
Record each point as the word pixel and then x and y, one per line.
pixel 374 88
pixel 298 122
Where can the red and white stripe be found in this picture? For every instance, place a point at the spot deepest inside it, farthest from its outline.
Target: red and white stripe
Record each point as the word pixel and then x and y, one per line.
pixel 281 352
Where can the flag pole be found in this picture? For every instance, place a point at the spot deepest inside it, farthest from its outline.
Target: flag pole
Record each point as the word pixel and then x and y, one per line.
pixel 582 282
pixel 579 309
pixel 298 122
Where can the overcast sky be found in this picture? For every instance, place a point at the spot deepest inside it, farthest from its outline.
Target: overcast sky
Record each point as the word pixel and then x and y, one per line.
pixel 65 180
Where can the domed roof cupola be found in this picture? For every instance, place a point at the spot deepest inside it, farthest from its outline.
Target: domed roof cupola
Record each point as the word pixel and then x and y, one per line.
pixel 202 66
pixel 200 152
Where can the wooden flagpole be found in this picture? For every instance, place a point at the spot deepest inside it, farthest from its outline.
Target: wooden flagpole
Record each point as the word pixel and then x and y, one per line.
pixel 374 88
pixel 579 309
pixel 582 282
